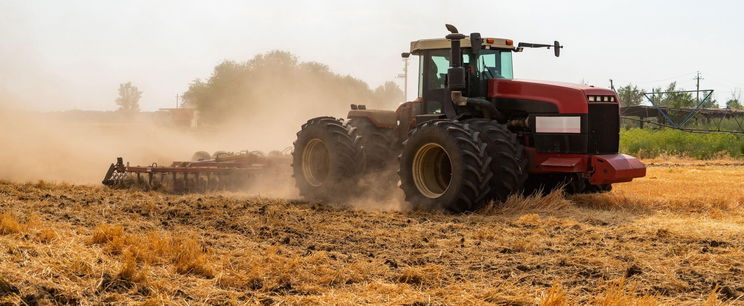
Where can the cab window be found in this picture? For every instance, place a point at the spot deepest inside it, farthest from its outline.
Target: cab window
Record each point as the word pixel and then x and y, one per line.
pixel 494 64
pixel 437 63
pixel 433 66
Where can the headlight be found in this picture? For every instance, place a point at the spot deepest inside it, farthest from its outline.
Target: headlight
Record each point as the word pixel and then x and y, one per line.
pixel 558 124
pixel 600 98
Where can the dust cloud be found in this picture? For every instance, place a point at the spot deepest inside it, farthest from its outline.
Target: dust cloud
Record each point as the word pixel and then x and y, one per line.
pixel 258 105
pixel 52 147
pixel 58 147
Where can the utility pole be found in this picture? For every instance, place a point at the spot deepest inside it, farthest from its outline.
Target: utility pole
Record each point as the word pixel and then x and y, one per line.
pixel 404 75
pixel 612 86
pixel 176 100
pixel 697 78
pixel 405 79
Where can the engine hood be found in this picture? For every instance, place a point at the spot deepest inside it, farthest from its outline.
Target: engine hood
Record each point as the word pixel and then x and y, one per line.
pixel 568 98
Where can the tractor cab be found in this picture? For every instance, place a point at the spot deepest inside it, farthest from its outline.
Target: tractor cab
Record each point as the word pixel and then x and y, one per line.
pixel 492 61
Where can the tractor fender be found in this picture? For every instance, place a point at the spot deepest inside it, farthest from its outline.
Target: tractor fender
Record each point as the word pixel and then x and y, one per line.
pixel 408 111
pixel 380 118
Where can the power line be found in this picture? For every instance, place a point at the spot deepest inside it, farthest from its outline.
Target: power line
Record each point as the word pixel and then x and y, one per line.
pixel 732 84
pixel 666 79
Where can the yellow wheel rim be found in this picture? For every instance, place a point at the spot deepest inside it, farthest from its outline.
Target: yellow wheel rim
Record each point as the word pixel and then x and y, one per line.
pixel 432 170
pixel 315 162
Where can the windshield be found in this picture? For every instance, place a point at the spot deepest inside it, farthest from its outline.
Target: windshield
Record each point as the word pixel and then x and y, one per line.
pixel 434 65
pixel 493 64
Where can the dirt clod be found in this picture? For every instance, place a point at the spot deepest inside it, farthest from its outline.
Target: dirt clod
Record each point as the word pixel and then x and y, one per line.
pixel 7 288
pixel 728 293
pixel 633 270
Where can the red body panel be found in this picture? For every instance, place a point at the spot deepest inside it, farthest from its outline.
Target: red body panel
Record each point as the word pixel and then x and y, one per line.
pixel 570 98
pixel 601 169
pixel 556 162
pixel 615 168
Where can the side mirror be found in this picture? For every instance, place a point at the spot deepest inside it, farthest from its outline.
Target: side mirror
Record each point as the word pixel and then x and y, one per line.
pixel 557 48
pixel 405 55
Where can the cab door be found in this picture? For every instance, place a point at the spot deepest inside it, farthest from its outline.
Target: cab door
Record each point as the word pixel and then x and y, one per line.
pixel 433 80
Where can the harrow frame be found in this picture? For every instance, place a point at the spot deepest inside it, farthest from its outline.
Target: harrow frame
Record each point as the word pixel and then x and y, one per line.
pixel 228 171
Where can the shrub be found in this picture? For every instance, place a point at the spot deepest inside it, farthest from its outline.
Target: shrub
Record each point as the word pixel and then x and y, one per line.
pixel 645 143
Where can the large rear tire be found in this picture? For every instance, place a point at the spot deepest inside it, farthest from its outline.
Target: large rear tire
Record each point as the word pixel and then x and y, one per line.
pixel 380 146
pixel 508 159
pixel 444 164
pixel 325 160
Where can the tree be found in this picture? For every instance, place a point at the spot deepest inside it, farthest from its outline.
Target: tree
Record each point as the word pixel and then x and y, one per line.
pixel 735 101
pixel 672 97
pixel 129 97
pixel 711 102
pixel 388 96
pixel 278 90
pixel 630 95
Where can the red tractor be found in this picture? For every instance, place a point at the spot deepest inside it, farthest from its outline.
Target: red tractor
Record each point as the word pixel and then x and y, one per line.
pixel 474 135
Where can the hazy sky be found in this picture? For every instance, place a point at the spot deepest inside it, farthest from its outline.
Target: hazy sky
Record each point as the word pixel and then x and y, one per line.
pixel 57 55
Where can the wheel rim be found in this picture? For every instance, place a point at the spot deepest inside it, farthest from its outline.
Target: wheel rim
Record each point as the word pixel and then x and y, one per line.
pixel 315 162
pixel 432 170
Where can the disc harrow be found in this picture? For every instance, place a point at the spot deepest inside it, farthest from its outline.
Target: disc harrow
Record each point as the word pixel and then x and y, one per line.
pixel 223 171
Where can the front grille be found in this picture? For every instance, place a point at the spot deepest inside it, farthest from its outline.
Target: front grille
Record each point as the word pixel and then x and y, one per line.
pixel 604 128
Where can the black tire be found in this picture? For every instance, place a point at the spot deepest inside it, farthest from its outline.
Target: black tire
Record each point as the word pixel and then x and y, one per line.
pixel 601 188
pixel 380 146
pixel 431 149
pixel 509 161
pixel 325 159
pixel 544 184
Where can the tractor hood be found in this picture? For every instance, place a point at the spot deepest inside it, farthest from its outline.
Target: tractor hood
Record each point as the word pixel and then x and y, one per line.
pixel 567 97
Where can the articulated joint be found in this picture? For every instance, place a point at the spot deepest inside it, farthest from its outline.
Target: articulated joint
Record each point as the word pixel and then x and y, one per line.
pixel 489 110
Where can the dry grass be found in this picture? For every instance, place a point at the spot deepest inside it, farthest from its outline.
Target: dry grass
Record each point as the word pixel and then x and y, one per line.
pixel 701 187
pixel 556 296
pixel 186 255
pixel 10 225
pixel 618 294
pixel 674 237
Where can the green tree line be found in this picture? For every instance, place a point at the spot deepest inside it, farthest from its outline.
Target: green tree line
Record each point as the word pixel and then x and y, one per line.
pixel 669 96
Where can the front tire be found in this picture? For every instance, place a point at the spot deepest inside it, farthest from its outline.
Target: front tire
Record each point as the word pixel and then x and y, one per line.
pixel 325 160
pixel 509 161
pixel 444 164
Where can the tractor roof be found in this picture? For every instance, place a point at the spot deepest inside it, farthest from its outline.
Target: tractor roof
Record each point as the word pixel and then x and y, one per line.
pixel 443 43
